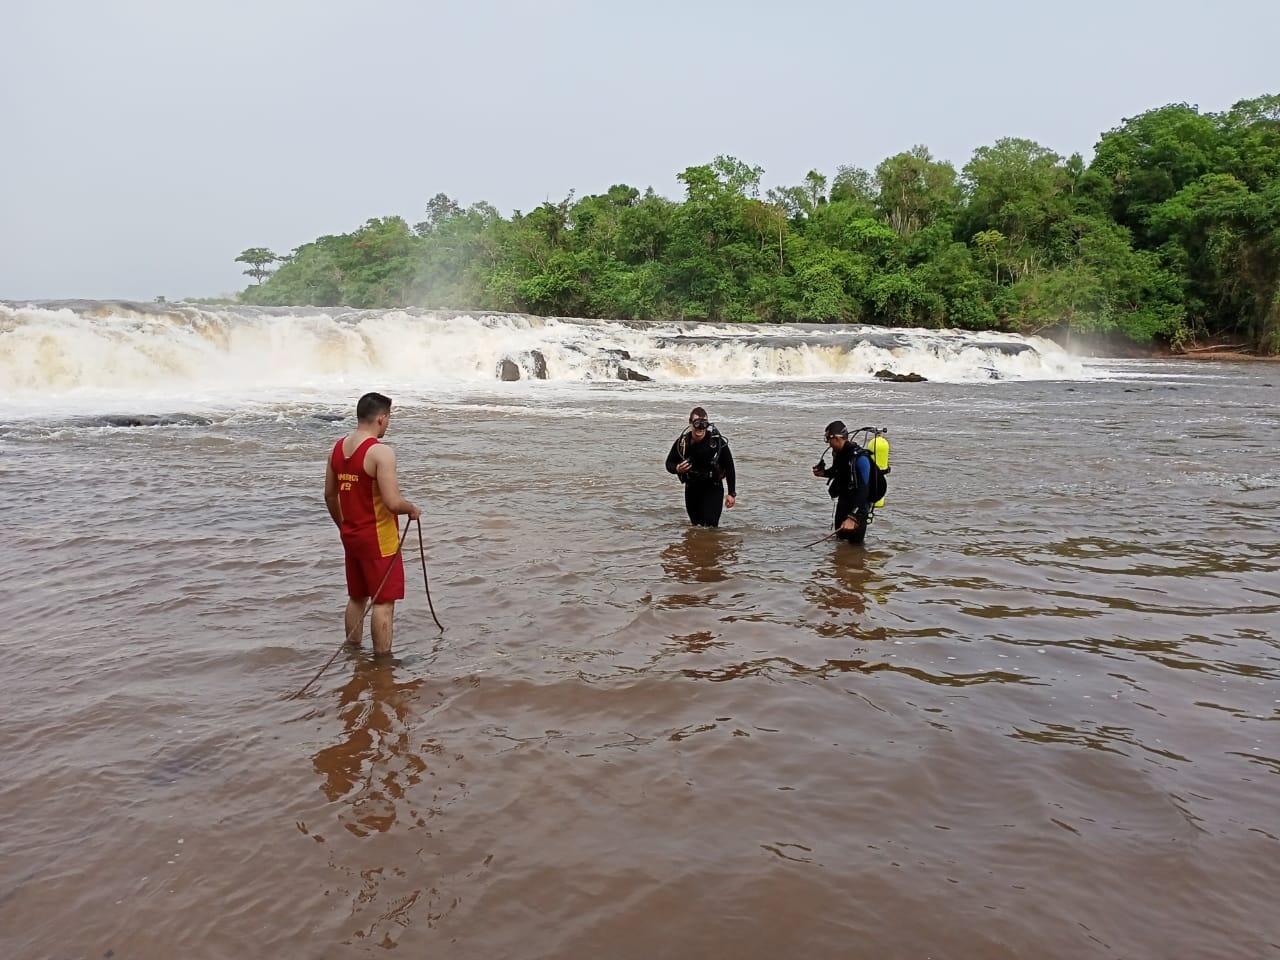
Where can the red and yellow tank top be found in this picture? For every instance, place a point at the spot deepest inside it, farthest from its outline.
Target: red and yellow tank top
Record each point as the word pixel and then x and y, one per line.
pixel 365 518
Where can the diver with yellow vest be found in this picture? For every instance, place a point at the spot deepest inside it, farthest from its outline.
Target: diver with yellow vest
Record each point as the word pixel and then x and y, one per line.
pixel 855 479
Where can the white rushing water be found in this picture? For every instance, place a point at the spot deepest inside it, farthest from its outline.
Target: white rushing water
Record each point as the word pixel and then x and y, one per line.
pixel 99 356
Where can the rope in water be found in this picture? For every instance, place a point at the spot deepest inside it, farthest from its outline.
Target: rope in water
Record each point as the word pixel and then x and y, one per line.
pixel 372 600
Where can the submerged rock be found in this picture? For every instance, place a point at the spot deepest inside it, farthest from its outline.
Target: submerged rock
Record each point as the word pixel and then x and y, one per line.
pixel 142 420
pixel 891 377
pixel 509 369
pixel 626 373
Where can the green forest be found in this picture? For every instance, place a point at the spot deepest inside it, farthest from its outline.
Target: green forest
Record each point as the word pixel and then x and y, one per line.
pixel 1169 236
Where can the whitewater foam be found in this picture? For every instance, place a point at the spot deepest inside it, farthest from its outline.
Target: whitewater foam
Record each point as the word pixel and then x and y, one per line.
pixel 96 355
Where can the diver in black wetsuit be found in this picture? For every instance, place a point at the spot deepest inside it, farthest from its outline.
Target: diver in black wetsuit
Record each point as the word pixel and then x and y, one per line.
pixel 700 457
pixel 848 483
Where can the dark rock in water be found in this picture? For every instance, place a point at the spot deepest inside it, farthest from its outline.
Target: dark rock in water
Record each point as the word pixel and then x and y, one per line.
pixel 1007 349
pixel 508 370
pixel 891 377
pixel 626 373
pixel 539 364
pixel 121 420
pixel 619 353
pixel 143 420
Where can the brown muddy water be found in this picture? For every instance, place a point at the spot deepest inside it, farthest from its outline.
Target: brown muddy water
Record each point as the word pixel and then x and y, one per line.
pixel 1036 716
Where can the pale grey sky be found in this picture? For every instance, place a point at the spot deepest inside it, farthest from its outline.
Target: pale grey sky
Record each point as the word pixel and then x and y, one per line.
pixel 145 143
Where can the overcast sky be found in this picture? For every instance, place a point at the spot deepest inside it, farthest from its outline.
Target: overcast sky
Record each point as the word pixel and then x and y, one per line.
pixel 145 143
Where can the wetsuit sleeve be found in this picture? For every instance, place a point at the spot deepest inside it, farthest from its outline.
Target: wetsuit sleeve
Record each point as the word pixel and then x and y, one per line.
pixel 674 458
pixel 840 479
pixel 730 474
pixel 862 474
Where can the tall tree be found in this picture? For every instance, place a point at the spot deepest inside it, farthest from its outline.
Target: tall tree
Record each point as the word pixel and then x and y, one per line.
pixel 440 209
pixel 1022 191
pixel 1152 156
pixel 914 189
pixel 853 185
pixel 259 260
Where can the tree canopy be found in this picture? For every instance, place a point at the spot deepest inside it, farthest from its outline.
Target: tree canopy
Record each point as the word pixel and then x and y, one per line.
pixel 1171 232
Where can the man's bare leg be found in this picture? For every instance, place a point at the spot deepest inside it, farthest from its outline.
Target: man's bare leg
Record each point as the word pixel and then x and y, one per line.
pixel 380 627
pixel 353 620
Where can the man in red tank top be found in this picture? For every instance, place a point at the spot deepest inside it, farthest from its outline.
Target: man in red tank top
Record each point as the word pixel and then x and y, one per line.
pixel 363 497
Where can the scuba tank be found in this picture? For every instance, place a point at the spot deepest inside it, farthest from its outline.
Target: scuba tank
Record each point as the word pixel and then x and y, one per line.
pixel 878 447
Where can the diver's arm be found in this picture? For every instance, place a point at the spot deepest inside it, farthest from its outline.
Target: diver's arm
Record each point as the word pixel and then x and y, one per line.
pixel 673 458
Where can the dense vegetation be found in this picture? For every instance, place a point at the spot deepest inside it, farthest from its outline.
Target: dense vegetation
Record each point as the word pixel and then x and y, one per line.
pixel 1170 233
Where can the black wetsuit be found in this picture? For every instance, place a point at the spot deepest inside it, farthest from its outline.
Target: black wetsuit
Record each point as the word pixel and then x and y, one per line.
pixel 704 483
pixel 849 489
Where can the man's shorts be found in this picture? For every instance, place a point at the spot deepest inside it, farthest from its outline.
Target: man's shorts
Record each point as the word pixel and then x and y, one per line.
pixel 365 569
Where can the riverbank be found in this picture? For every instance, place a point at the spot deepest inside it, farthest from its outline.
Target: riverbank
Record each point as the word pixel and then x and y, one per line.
pixel 1214 350
pixel 1219 355
pixel 1113 345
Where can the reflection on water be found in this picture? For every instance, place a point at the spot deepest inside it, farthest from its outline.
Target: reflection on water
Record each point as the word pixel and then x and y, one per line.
pixel 1101 736
pixel 841 583
pixel 373 763
pixel 699 642
pixel 388 779
pixel 700 555
pixel 778 668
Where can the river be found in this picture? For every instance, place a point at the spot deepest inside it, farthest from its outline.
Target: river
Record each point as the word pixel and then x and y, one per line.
pixel 1029 718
